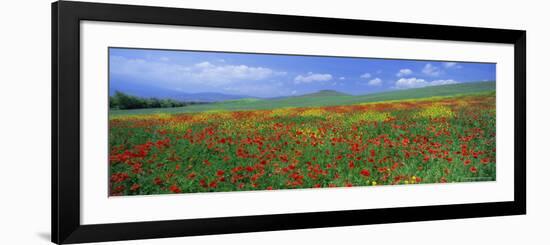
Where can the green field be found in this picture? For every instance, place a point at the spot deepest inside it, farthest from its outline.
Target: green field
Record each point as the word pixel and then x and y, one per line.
pixel 449 135
pixel 323 98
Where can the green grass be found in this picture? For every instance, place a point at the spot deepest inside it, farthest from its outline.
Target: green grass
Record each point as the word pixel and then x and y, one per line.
pixel 322 98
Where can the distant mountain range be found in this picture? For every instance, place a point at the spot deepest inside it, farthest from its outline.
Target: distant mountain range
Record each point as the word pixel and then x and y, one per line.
pixel 324 93
pixel 207 97
pixel 441 90
pixel 160 93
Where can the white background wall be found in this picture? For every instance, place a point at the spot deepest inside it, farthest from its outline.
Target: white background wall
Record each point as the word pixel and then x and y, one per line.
pixel 25 121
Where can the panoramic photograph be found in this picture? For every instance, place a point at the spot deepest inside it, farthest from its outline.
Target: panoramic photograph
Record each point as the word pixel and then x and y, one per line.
pixel 204 121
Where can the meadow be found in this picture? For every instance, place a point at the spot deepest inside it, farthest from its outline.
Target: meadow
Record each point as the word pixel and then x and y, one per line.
pixel 322 98
pixel 317 141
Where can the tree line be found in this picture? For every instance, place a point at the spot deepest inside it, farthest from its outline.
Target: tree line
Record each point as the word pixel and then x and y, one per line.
pixel 124 101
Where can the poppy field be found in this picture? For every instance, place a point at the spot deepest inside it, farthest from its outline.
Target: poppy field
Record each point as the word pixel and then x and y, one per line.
pixel 414 141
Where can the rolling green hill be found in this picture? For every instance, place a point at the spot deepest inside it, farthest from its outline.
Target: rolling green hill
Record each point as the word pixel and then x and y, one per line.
pixel 323 98
pixel 322 93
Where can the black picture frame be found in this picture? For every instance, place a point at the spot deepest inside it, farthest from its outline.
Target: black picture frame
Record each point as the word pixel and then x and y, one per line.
pixel 66 18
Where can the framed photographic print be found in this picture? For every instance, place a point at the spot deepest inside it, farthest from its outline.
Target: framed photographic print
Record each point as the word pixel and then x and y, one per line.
pixel 177 122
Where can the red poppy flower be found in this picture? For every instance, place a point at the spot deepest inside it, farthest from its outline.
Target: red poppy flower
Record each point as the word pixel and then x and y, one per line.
pixel 202 182
pixel 395 165
pixel 220 173
pixel 134 187
pixel 119 189
pixel 174 188
pixel 473 169
pixel 213 184
pixel 351 164
pixel 157 181
pixel 119 177
pixel 365 173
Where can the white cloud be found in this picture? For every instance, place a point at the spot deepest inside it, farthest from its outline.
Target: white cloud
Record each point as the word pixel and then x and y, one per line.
pixel 431 70
pixel 453 65
pixel 342 78
pixel 365 75
pixel 443 82
pixel 312 77
pixel 404 72
pixel 449 64
pixel 230 72
pixel 204 73
pixel 375 82
pixel 410 83
pixel 198 77
pixel 204 64
pixel 405 83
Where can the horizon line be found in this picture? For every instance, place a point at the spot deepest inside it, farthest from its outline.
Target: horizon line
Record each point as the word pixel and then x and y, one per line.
pixel 244 96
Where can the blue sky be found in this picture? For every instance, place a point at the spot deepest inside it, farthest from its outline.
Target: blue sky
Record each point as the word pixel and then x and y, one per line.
pixel 263 75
